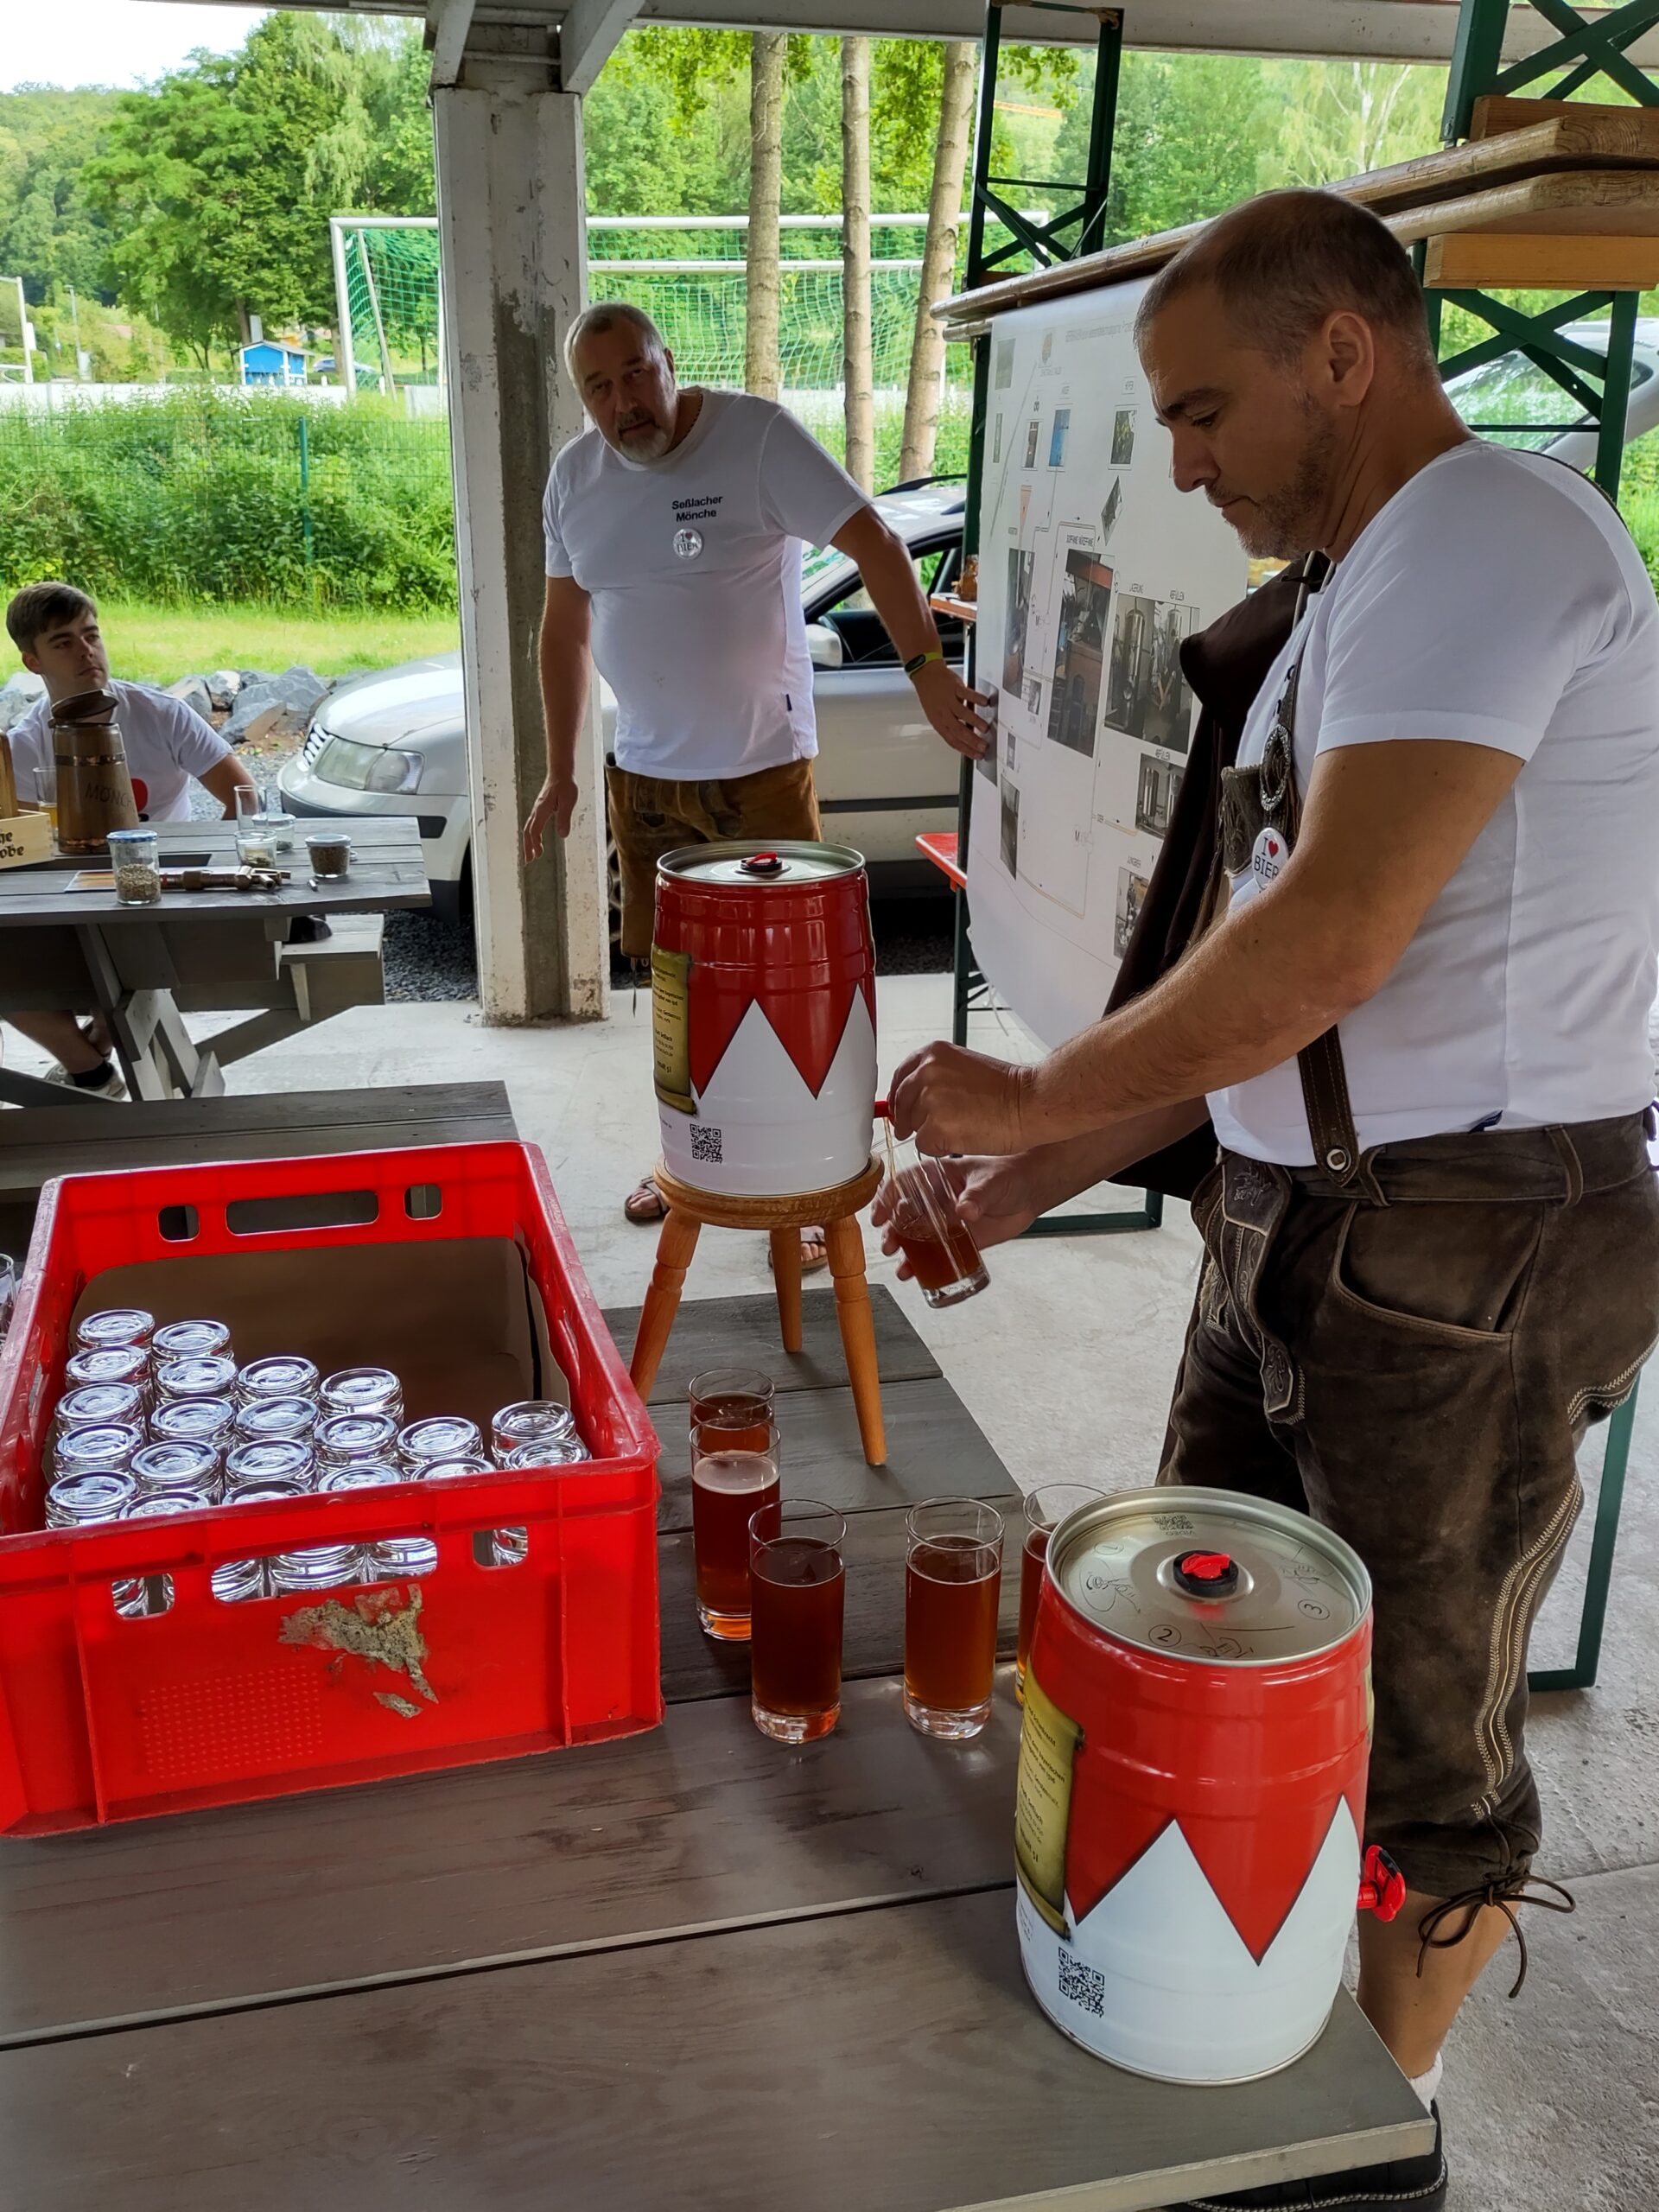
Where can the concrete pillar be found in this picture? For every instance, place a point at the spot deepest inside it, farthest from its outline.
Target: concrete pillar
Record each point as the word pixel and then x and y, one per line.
pixel 512 240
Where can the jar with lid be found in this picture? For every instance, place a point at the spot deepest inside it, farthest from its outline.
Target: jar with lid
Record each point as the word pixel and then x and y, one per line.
pixel 212 1376
pixel 363 1390
pixel 440 1436
pixel 116 1325
pixel 96 1405
pixel 549 1452
pixel 192 1340
pixel 528 1422
pixel 109 1364
pixel 80 1501
pixel 265 1420
pixel 168 1469
pixel 194 1420
pixel 103 1450
pixel 283 1374
pixel 135 863
pixel 319 1566
pixel 349 1440
pixel 258 1460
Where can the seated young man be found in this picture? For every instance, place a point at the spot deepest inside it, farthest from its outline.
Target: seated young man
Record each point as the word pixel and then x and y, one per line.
pixel 54 628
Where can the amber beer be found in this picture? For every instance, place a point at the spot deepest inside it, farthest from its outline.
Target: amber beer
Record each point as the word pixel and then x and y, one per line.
pixel 941 1250
pixel 953 1585
pixel 728 1488
pixel 799 1583
pixel 731 1411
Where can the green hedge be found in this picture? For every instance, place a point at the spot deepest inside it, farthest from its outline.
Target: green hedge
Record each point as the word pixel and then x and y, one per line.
pixel 196 498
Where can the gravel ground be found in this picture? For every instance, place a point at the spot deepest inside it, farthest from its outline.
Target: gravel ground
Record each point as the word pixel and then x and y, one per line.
pixel 427 959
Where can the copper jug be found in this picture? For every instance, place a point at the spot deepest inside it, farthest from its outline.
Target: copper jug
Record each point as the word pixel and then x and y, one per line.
pixel 95 788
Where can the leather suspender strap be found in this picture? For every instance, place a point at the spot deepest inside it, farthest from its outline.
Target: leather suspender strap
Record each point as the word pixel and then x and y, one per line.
pixel 1325 1077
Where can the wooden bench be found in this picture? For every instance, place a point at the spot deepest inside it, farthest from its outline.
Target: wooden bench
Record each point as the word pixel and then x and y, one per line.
pixel 37 1142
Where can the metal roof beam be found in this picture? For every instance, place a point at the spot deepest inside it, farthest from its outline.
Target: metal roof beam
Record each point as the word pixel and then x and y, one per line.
pixel 587 37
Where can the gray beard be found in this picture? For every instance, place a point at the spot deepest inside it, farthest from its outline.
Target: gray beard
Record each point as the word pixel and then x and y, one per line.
pixel 640 449
pixel 1285 523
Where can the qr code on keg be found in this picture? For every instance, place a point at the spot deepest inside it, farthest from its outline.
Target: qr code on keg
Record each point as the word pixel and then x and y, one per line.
pixel 705 1145
pixel 1081 1983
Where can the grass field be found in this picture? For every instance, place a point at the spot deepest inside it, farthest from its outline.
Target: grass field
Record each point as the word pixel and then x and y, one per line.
pixel 157 645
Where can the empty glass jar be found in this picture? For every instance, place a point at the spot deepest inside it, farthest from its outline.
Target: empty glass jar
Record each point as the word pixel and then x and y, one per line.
pixel 440 1436
pixel 96 1405
pixel 263 1420
pixel 80 1501
pixel 194 1420
pixel 528 1422
pixel 118 1325
pixel 213 1375
pixel 191 1340
pixel 355 1439
pixel 284 1375
pixel 102 1450
pixel 363 1390
pixel 260 1460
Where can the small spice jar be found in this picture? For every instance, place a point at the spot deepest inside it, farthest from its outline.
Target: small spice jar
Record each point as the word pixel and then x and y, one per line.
pixel 263 1420
pixel 441 1436
pixel 194 1420
pixel 355 1439
pixel 363 1390
pixel 95 1404
pixel 264 1460
pixel 172 1470
pixel 283 1374
pixel 209 1377
pixel 192 1340
pixel 532 1421
pixel 115 1364
pixel 79 1501
pixel 105 1449
pixel 128 1326
pixel 330 854
pixel 135 858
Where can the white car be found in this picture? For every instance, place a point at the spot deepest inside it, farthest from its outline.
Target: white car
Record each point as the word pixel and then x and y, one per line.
pixel 395 742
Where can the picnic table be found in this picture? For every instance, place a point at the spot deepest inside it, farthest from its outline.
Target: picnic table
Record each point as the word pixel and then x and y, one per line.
pixel 690 1968
pixel 144 967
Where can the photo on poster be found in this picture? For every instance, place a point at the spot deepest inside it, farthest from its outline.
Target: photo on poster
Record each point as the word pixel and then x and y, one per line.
pixel 1124 437
pixel 1147 696
pixel 1131 895
pixel 1111 510
pixel 996 439
pixel 1016 615
pixel 1011 828
pixel 1032 429
pixel 1079 652
pixel 1004 363
pixel 1033 695
pixel 1058 435
pixel 1156 791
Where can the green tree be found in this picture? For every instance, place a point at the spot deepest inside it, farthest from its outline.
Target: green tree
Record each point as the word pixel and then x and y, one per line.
pixel 49 233
pixel 218 181
pixel 1188 143
pixel 1340 119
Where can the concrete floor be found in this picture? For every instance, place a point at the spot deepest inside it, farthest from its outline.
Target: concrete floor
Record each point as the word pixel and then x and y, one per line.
pixel 1551 2104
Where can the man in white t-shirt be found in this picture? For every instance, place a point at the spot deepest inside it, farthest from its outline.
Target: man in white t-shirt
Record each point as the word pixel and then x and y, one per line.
pixel 674 530
pixel 1418 1026
pixel 168 745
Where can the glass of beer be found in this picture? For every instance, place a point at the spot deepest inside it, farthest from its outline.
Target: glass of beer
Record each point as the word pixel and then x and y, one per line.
pixel 727 1489
pixel 1045 1508
pixel 798 1585
pixel 942 1255
pixel 44 790
pixel 733 1405
pixel 953 1581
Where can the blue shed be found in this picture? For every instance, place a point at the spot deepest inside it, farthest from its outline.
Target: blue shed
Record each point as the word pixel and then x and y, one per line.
pixel 268 362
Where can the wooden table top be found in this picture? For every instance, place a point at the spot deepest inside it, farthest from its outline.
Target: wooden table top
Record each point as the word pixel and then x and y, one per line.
pixel 387 871
pixel 691 1969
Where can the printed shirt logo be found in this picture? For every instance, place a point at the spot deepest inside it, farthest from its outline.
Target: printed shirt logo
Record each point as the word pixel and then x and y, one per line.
pixel 688 543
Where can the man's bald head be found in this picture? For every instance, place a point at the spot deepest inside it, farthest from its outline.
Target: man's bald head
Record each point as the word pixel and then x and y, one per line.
pixel 1282 265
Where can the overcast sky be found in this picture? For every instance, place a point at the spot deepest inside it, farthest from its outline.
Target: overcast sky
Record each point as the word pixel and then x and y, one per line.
pixel 111 42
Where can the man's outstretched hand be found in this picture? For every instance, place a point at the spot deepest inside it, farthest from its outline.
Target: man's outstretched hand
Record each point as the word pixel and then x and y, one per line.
pixel 953 709
pixel 555 803
pixel 952 1100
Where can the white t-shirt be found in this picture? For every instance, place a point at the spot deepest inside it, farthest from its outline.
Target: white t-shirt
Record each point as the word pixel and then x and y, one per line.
pixel 166 744
pixel 693 564
pixel 1498 600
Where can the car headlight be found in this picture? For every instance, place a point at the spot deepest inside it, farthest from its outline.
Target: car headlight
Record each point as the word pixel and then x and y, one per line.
pixel 368 767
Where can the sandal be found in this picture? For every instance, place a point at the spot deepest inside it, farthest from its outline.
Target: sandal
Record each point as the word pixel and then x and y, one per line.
pixel 645 1203
pixel 815 1252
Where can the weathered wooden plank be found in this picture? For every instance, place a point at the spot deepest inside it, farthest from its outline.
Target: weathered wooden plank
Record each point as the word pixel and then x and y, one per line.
pixel 1504 260
pixel 702 1823
pixel 38 1143
pixel 888 2059
pixel 935 1449
pixel 743 1332
pixel 695 1666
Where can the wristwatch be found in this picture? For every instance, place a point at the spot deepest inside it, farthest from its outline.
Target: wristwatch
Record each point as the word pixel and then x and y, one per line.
pixel 920 660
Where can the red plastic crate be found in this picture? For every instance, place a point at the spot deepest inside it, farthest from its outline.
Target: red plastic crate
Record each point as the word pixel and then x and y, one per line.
pixel 105 1718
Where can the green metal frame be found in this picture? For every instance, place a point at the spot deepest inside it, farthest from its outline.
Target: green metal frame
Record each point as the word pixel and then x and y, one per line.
pixel 1075 229
pixel 1584 49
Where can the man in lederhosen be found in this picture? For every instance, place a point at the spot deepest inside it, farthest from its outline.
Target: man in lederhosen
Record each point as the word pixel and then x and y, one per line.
pixel 1414 1009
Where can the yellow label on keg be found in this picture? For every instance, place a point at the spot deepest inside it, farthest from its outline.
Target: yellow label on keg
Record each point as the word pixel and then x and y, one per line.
pixel 1048 1748
pixel 671 1028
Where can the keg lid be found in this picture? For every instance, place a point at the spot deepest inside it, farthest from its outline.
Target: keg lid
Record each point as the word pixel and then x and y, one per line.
pixel 753 866
pixel 1210 1575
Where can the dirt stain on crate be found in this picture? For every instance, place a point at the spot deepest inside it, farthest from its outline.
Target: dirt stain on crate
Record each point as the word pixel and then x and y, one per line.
pixel 379 1627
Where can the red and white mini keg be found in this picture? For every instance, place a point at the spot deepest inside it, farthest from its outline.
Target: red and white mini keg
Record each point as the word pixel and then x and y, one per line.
pixel 1192 1791
pixel 763 1017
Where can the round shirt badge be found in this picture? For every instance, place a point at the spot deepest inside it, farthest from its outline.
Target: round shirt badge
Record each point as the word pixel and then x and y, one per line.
pixel 1268 856
pixel 688 543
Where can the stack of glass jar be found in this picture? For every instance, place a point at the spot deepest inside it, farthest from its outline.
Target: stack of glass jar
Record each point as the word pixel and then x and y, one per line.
pixel 161 1420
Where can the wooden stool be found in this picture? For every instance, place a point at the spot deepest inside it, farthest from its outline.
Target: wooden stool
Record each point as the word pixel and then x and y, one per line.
pixel 836 1211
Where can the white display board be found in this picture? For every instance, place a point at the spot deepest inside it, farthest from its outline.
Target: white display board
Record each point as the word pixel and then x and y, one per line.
pixel 1092 570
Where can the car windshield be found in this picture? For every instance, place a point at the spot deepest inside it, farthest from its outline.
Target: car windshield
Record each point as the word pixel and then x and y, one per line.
pixel 819 564
pixel 1512 400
